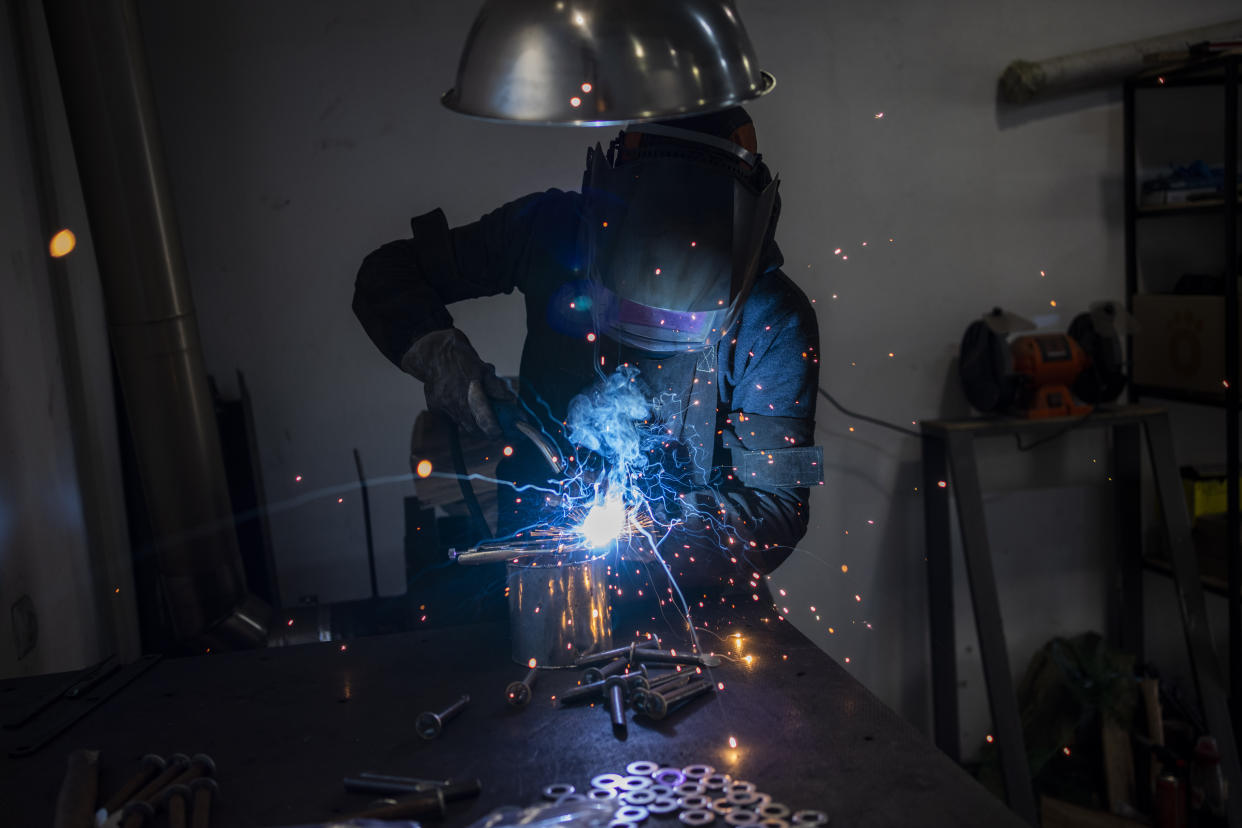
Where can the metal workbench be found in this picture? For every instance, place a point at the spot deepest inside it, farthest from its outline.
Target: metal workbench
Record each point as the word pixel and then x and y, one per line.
pixel 284 725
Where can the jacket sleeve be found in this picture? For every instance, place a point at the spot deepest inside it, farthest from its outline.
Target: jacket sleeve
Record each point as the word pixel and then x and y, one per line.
pixel 769 389
pixel 402 289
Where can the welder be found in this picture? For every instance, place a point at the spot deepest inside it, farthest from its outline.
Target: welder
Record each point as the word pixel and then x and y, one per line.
pixel 666 261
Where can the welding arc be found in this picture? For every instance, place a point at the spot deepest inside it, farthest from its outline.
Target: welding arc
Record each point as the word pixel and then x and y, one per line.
pixel 463 480
pixel 865 418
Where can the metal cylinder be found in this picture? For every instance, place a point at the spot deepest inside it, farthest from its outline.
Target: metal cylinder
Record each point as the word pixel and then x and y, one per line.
pixel 560 612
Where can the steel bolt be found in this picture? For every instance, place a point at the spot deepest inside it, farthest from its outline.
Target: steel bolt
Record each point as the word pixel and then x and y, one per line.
pixel 671 680
pixel 596 690
pixel 429 724
pixel 200 765
pixel 151 765
pixel 606 656
pixel 178 763
pixel 618 689
pixel 518 694
pixel 593 674
pixel 669 657
pixel 205 790
pixel 136 814
pixel 656 705
pixel 175 799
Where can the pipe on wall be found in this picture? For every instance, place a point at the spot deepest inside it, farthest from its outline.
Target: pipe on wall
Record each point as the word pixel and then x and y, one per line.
pixel 151 320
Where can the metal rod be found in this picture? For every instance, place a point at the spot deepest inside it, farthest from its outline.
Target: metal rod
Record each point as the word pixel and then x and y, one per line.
pixel 366 522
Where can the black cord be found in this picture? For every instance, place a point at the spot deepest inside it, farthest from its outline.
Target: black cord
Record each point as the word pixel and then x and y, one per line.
pixel 1054 435
pixel 865 418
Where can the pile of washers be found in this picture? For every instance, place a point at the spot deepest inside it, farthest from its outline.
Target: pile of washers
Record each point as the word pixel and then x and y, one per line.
pixel 697 794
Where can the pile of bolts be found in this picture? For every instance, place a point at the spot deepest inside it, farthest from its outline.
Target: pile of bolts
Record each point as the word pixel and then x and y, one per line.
pixel 622 678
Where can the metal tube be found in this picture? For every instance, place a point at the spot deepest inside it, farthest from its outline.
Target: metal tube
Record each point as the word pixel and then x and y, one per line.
pixel 151 318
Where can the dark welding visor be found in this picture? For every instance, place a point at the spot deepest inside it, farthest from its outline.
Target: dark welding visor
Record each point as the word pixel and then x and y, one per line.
pixel 673 230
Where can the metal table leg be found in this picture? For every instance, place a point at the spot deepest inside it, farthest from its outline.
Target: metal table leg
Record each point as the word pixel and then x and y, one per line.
pixel 936 522
pixel 1203 661
pixel 995 656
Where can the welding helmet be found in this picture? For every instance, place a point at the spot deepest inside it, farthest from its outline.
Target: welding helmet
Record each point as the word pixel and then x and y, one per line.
pixel 674 223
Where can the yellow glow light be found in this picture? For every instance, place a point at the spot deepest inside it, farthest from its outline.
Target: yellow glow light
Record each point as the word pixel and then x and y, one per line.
pixel 424 468
pixel 62 243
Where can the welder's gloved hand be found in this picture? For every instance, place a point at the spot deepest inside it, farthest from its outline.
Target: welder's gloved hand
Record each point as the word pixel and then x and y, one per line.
pixel 457 381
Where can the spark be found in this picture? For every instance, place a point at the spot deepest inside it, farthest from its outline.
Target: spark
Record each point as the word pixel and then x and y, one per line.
pixel 1053 303
pixel 591 337
pixel 507 451
pixel 575 102
pixel 62 243
pixel 297 478
pixel 845 568
pixel 989 738
pixel 586 89
pixel 733 741
pixel 879 115
pixel 424 468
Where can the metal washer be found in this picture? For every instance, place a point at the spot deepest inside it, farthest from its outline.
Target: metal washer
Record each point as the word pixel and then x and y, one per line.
pixel 743 798
pixel 809 818
pixel 669 776
pixel 631 814
pixel 608 781
pixel 638 797
pixel 742 785
pixel 601 794
pixel 697 772
pixel 621 823
pixel 741 816
pixel 642 767
pixel 773 810
pixel 634 783
pixel 557 789
pixel 716 781
pixel 774 823
pixel 722 806
pixel 696 802
pixel 697 817
pixel 662 805
pixel 661 790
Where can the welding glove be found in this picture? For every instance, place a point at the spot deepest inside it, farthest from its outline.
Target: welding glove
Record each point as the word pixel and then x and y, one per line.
pixel 457 381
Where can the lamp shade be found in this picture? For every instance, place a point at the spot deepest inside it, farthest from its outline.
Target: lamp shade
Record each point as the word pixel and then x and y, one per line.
pixel 598 62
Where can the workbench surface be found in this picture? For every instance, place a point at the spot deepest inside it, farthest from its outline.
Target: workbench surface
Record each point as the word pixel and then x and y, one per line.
pixel 285 725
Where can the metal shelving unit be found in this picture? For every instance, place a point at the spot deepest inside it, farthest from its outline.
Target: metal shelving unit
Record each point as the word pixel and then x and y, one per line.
pixel 1223 72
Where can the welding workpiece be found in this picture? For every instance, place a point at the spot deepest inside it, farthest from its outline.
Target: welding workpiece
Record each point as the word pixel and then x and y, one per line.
pixel 656 705
pixel 618 690
pixel 429 724
pixel 627 652
pixel 592 692
pixel 175 800
pixel 518 694
pixel 593 674
pixel 670 657
pixel 669 680
pixel 205 791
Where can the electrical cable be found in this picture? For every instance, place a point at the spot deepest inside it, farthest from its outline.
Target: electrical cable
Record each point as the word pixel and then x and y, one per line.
pixel 865 418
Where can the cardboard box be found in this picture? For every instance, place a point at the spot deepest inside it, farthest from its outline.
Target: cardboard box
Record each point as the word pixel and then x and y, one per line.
pixel 1181 342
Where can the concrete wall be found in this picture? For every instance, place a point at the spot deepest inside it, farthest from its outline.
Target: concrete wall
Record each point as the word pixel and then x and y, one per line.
pixel 302 135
